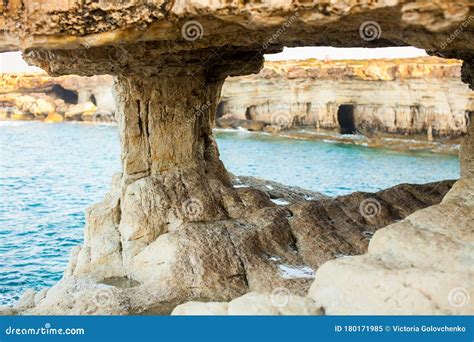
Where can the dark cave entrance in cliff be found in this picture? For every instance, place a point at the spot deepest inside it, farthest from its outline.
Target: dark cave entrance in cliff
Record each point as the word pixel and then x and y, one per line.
pixel 64 94
pixel 345 118
pixel 93 100
pixel 251 113
pixel 220 111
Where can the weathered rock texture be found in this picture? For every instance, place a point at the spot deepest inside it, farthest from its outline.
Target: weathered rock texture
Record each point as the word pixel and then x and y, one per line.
pixel 253 303
pixel 173 222
pixel 467 151
pixel 421 265
pixel 265 248
pixel 407 96
pixel 39 96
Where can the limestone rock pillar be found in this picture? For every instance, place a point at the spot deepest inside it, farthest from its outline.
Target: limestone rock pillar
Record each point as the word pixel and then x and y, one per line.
pixel 467 144
pixel 104 99
pixel 171 171
pixel 166 136
pixel 467 150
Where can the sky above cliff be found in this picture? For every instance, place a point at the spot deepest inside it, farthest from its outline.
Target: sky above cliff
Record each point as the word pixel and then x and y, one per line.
pixel 325 52
pixel 13 62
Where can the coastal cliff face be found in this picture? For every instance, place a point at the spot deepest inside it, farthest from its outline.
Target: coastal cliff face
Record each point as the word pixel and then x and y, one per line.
pixel 28 96
pixel 406 96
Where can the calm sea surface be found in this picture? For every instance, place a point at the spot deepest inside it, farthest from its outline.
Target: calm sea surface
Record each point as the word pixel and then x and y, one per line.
pixel 49 173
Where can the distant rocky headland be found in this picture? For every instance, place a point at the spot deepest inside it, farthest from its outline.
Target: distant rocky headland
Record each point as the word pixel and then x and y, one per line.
pixel 401 96
pixel 421 97
pixel 37 96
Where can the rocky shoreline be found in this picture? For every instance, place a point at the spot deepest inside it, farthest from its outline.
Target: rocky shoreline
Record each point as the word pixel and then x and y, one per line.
pixel 37 96
pixel 401 143
pixel 295 99
pixel 305 230
pixel 416 97
pixel 419 98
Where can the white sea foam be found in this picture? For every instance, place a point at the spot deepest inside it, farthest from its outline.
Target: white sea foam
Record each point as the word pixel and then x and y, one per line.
pixel 280 201
pixel 291 272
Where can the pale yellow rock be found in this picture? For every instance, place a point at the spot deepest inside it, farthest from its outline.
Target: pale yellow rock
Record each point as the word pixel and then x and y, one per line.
pixel 54 117
pixel 6 311
pixel 19 115
pixel 201 309
pixel 253 303
pixel 365 286
pixel 24 102
pixel 40 295
pixel 409 96
pixel 84 110
pixel 100 253
pixel 167 86
pixel 26 301
pixel 42 107
pixel 421 265
pixel 273 304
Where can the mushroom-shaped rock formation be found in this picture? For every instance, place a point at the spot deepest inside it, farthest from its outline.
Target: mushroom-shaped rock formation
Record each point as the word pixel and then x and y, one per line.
pixel 173 228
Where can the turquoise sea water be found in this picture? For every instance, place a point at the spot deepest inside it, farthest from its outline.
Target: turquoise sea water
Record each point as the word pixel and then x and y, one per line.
pixel 49 173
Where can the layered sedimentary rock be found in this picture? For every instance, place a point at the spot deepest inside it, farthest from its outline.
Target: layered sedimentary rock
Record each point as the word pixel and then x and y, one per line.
pixel 173 228
pixel 417 95
pixel 39 96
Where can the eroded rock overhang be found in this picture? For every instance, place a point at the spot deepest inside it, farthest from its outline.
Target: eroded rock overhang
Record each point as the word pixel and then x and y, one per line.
pixel 172 28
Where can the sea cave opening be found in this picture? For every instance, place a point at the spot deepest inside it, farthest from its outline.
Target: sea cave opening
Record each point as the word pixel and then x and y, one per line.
pixel 62 93
pixel 220 111
pixel 345 118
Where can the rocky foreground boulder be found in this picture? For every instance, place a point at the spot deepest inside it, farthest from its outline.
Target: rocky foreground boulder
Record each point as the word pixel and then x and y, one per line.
pixel 418 266
pixel 268 248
